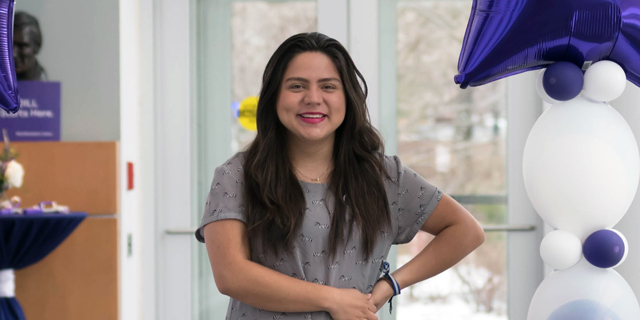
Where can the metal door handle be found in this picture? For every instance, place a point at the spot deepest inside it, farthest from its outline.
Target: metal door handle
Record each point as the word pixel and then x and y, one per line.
pixel 498 228
pixel 180 231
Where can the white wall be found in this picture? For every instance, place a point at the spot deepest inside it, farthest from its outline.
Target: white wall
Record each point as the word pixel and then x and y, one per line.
pixel 80 49
pixel 145 243
pixel 174 157
pixel 130 295
pixel 629 107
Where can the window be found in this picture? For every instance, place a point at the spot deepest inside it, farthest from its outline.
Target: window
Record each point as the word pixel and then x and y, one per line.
pixel 233 40
pixel 254 39
pixel 456 139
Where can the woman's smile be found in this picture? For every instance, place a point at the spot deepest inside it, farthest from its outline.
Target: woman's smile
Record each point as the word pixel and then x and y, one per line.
pixel 312 117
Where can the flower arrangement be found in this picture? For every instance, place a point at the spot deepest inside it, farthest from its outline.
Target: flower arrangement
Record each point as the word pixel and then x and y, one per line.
pixel 11 172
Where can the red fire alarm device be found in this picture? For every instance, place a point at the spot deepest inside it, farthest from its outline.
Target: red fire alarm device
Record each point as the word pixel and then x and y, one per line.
pixel 129 175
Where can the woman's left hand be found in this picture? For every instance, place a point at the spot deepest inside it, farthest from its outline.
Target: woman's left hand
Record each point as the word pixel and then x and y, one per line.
pixel 381 293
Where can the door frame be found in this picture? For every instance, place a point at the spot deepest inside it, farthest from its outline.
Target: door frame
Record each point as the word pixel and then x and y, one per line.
pixel 173 123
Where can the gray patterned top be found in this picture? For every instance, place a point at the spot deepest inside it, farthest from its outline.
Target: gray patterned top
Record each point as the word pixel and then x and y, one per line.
pixel 411 198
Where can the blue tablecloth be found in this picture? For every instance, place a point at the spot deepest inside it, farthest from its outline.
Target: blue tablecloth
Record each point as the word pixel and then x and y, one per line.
pixel 25 240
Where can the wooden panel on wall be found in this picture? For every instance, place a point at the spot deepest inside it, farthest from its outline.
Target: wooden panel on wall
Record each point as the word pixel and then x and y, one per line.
pixel 78 280
pixel 81 175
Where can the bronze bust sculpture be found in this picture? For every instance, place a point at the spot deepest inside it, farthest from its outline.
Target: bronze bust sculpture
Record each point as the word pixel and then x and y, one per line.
pixel 27 40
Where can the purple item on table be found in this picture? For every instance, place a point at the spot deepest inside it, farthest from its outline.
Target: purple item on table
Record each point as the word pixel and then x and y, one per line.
pixel 33 211
pixel 507 37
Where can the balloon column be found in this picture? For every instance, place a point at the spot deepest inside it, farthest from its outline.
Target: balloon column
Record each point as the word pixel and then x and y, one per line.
pixel 581 162
pixel 9 97
pixel 581 169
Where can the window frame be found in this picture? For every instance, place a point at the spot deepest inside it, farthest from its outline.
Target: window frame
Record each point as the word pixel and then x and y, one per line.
pixel 203 26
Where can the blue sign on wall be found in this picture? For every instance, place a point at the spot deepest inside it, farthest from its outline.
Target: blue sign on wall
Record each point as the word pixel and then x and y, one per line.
pixel 39 116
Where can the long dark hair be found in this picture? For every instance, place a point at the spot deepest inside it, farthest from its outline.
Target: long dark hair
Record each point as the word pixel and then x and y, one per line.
pixel 274 200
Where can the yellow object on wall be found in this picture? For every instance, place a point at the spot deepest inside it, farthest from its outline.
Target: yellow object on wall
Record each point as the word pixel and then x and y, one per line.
pixel 247 113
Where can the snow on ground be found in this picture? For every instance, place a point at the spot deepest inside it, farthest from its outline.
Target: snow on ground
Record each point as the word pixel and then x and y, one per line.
pixel 441 298
pixel 457 310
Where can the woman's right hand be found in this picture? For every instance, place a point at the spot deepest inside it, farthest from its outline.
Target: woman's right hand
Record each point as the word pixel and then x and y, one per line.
pixel 350 304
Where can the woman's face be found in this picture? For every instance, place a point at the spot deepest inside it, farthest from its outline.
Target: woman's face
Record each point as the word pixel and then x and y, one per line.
pixel 311 104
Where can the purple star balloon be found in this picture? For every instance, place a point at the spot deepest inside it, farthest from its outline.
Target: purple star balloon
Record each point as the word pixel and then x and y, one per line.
pixel 507 37
pixel 9 97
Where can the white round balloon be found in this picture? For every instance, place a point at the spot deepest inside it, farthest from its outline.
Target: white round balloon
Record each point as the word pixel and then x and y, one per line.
pixel 584 292
pixel 604 81
pixel 561 249
pixel 581 166
pixel 540 89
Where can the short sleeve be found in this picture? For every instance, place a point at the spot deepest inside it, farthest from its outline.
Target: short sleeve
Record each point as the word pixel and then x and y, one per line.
pixel 225 199
pixel 412 201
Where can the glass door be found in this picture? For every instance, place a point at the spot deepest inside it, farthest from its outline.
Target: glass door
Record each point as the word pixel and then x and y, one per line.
pixel 235 39
pixel 461 141
pixel 457 140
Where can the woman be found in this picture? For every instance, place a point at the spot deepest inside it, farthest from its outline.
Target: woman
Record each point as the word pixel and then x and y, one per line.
pixel 299 225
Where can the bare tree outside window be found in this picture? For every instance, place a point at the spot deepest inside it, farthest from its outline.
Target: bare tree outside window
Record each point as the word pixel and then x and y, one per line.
pixel 456 139
pixel 258 28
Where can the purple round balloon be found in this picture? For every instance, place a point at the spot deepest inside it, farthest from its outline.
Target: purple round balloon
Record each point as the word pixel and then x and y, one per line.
pixel 583 309
pixel 9 96
pixel 563 81
pixel 604 248
pixel 507 37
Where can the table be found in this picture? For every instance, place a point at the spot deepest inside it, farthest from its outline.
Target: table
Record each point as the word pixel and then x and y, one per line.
pixel 25 240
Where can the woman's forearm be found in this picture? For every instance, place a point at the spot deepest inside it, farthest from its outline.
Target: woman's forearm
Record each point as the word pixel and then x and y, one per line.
pixel 267 289
pixel 254 284
pixel 444 251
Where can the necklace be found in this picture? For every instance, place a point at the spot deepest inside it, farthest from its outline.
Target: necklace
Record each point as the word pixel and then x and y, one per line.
pixel 316 180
